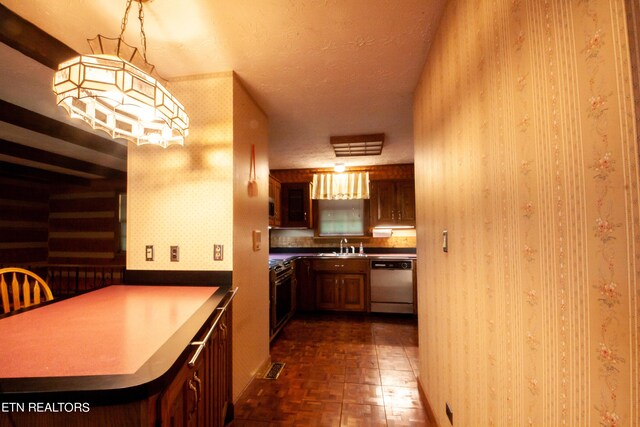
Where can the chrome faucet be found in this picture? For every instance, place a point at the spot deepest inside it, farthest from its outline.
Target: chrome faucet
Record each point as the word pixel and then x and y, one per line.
pixel 341 242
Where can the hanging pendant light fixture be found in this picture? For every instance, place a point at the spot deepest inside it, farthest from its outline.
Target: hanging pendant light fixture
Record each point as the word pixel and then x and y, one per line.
pixel 116 90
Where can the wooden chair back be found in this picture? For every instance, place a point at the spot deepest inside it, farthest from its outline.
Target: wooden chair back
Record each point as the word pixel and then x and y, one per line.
pixel 25 284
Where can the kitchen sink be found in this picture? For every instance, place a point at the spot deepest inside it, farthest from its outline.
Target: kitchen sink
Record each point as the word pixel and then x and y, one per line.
pixel 338 255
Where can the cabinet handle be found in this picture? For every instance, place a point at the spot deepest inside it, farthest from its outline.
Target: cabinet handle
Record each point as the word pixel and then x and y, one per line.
pixel 223 331
pixel 193 388
pixel 199 382
pixel 393 215
pixel 203 343
pixel 196 393
pixel 233 294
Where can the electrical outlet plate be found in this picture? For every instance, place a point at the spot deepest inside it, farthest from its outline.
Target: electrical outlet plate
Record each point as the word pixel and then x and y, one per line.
pixel 148 256
pixel 218 252
pixel 175 257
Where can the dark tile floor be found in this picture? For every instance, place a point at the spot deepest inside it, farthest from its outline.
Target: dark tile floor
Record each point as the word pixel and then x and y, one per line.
pixel 340 370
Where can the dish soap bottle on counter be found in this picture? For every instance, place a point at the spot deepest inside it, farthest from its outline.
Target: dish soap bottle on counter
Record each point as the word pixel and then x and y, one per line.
pixel 361 249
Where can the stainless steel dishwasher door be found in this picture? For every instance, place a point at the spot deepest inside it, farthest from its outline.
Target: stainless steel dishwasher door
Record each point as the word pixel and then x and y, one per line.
pixel 392 286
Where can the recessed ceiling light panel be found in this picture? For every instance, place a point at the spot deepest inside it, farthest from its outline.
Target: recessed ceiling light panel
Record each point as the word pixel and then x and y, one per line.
pixel 358 145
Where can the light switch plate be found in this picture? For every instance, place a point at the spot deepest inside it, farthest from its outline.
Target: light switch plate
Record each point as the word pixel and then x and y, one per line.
pixel 257 238
pixel 175 254
pixel 148 253
pixel 445 241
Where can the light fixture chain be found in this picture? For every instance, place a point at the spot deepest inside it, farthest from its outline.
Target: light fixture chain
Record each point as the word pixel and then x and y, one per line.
pixel 123 25
pixel 143 36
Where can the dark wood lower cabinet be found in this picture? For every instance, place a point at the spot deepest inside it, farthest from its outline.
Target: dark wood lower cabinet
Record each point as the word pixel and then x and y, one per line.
pixel 343 292
pixel 341 284
pixel 327 291
pixel 194 390
pixel 352 292
pixel 200 395
pixel 305 295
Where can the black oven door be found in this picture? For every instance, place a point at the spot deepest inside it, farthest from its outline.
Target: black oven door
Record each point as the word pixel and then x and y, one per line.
pixel 282 297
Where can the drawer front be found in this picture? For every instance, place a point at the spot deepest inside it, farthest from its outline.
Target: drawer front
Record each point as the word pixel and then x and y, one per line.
pixel 341 265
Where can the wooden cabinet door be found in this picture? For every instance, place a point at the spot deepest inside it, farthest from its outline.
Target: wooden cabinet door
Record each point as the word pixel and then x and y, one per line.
pixel 406 203
pixel 393 203
pixel 277 198
pixel 327 297
pixel 306 295
pixel 200 395
pixel 175 416
pixel 193 396
pixel 296 205
pixel 275 191
pixel 183 398
pixel 352 292
pixel 221 368
pixel 382 203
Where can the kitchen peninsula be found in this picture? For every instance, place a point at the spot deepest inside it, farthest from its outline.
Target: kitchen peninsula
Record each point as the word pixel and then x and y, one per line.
pixel 124 354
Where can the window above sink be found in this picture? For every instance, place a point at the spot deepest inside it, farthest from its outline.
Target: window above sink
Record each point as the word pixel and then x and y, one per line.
pixel 341 217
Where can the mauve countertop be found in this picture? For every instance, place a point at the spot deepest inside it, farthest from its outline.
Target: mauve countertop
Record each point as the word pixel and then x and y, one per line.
pixel 118 337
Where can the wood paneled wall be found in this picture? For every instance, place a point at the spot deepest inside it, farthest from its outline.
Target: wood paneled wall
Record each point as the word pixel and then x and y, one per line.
pixel 84 224
pixel 403 171
pixel 24 211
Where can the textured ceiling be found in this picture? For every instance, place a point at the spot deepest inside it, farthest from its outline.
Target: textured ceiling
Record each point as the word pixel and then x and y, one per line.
pixel 317 68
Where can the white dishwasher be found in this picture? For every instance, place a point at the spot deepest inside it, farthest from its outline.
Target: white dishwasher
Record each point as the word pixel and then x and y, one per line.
pixel 392 286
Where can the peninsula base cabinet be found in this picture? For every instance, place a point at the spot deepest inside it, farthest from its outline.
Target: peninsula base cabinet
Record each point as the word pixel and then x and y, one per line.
pixel 198 395
pixel 201 392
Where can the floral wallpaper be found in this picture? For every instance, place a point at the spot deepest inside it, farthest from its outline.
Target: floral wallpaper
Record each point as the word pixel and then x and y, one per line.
pixel 526 126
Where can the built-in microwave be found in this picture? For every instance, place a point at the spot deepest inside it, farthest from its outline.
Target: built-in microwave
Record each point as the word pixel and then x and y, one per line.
pixel 272 208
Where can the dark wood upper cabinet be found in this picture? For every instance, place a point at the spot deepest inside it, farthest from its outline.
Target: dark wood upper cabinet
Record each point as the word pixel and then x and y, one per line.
pixel 393 203
pixel 275 202
pixel 296 205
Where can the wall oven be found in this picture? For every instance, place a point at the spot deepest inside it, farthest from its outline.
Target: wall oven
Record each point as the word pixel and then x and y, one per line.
pixel 282 294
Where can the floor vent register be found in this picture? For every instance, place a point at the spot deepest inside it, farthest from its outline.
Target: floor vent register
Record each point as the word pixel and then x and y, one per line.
pixel 274 371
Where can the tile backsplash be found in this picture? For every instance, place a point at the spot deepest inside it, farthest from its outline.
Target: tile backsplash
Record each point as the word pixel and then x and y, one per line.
pixel 283 238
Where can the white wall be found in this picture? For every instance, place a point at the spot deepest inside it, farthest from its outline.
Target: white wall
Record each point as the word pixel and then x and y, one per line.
pixel 250 268
pixel 195 196
pixel 184 195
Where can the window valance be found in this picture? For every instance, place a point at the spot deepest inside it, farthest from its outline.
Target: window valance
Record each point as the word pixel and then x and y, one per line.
pixel 341 186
